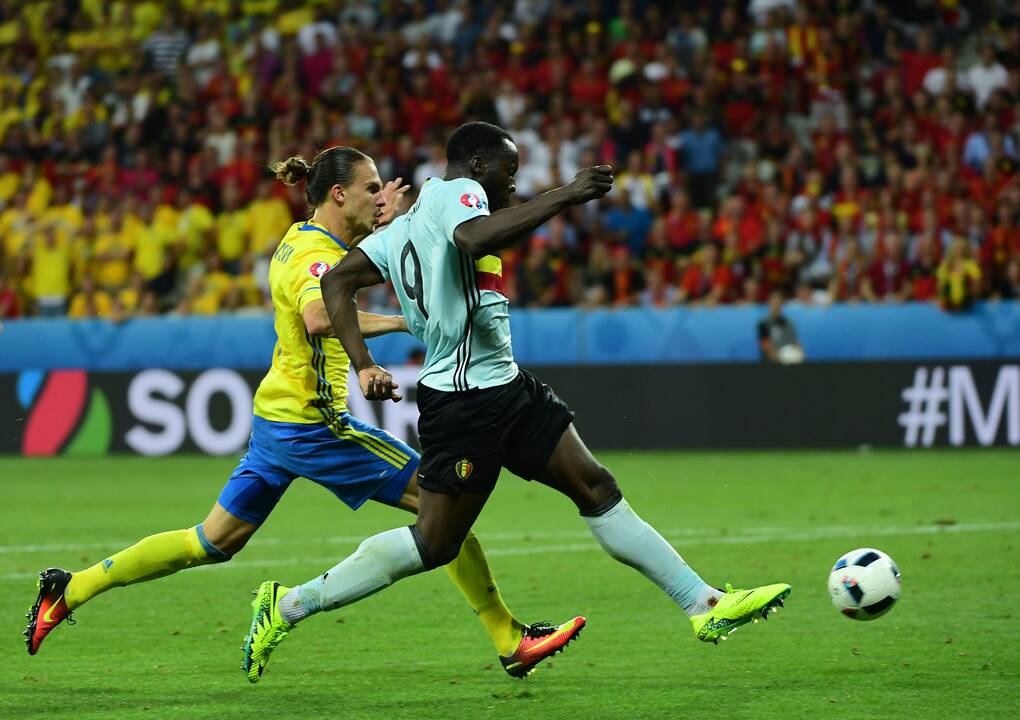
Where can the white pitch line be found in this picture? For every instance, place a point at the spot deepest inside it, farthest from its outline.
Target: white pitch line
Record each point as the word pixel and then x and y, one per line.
pixel 702 535
pixel 750 536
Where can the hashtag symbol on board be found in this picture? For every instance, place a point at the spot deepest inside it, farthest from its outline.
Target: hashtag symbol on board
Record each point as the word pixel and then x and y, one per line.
pixel 924 401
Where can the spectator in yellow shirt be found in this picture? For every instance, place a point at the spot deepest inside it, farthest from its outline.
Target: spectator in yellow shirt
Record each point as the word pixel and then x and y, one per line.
pixel 15 225
pixel 166 216
pixel 9 180
pixel 232 229
pixel 82 248
pixel 217 281
pixel 268 218
pixel 51 271
pixel 194 225
pixel 113 250
pixel 90 302
pixel 244 292
pixel 200 299
pixel 958 277
pixel 40 192
pixel 130 297
pixel 154 253
pixel 206 293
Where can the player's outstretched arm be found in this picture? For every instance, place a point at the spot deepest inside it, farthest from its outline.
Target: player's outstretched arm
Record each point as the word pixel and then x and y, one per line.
pixel 339 286
pixel 489 234
pixel 372 324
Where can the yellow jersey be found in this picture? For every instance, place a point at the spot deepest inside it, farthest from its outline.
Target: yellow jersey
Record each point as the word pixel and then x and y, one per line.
pixel 267 220
pixel 232 234
pixel 112 273
pixel 308 380
pixel 150 250
pixel 51 268
pixel 102 305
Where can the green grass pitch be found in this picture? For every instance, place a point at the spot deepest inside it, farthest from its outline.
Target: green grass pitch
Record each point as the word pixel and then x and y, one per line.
pixel 170 648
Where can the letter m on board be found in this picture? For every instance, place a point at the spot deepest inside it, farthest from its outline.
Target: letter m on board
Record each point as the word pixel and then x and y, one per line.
pixel 965 401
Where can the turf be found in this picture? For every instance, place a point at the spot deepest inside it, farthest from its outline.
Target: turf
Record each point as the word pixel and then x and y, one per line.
pixel 170 648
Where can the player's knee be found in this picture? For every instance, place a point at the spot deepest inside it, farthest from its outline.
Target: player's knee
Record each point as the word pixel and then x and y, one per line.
pixel 602 492
pixel 215 549
pixel 446 553
pixel 434 552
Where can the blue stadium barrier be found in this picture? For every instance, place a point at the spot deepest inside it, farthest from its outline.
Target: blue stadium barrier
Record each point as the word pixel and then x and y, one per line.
pixel 541 337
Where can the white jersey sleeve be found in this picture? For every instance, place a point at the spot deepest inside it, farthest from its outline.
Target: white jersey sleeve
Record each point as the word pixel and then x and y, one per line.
pixel 456 202
pixel 375 247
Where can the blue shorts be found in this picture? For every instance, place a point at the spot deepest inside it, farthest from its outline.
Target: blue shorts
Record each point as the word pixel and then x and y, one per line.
pixel 359 462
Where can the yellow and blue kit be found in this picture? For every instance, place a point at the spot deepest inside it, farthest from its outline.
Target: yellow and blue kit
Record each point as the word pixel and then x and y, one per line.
pixel 301 426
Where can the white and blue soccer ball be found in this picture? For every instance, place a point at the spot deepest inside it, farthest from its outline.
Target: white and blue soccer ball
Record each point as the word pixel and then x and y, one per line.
pixel 864 584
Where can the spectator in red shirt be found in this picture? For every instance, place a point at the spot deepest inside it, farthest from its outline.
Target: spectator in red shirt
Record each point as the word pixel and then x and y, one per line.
pixel 742 107
pixel 1001 246
pixel 1010 289
pixel 888 277
pixel 624 282
pixel 10 307
pixel 707 281
pixel 851 265
pixel 923 282
pixel 772 262
pixel 916 63
pixel 419 108
pixel 536 277
pixel 681 223
pixel 316 66
pixel 589 86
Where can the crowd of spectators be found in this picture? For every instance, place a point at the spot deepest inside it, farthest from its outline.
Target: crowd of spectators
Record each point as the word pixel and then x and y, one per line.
pixel 833 151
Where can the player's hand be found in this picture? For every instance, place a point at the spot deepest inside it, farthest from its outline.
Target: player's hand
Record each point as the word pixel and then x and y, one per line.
pixel 591 183
pixel 393 193
pixel 377 384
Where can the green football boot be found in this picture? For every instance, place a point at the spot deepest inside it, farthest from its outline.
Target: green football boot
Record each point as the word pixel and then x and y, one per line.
pixel 268 629
pixel 736 608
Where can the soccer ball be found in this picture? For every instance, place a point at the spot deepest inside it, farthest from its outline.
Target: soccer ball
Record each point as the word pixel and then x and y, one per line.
pixel 864 584
pixel 790 355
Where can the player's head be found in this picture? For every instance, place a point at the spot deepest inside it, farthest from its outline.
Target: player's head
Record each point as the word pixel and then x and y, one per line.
pixel 342 182
pixel 486 153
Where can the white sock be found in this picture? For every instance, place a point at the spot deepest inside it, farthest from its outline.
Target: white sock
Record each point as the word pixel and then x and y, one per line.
pixel 378 562
pixel 632 541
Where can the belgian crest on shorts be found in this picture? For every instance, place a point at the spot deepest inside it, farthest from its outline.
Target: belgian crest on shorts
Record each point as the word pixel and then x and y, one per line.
pixel 463 468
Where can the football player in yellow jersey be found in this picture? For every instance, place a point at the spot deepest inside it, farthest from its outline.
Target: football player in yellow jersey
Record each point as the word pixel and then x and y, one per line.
pixel 301 426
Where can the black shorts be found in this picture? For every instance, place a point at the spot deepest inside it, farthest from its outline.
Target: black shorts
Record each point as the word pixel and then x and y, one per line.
pixel 468 437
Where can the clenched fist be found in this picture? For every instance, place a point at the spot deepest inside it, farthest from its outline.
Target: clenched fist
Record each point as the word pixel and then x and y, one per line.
pixel 591 183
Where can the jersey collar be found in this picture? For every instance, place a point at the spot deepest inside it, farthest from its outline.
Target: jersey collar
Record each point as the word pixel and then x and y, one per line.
pixel 308 226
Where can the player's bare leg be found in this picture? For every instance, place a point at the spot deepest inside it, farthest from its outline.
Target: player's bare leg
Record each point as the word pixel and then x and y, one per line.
pixel 216 539
pixel 714 614
pixel 226 531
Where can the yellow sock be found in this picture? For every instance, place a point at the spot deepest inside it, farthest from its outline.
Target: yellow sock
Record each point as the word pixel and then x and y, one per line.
pixel 149 558
pixel 470 572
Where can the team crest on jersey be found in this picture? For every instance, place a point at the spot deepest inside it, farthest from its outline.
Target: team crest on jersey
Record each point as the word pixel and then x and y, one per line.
pixel 318 269
pixel 464 468
pixel 472 201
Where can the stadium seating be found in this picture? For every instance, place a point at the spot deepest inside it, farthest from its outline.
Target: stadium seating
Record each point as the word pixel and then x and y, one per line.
pixel 824 154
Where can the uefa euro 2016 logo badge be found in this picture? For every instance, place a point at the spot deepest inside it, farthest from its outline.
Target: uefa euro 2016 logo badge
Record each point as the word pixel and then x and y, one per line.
pixel 472 201
pixel 318 269
pixel 463 468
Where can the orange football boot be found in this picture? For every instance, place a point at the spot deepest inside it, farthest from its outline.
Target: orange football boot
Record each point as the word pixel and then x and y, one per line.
pixel 50 608
pixel 540 641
